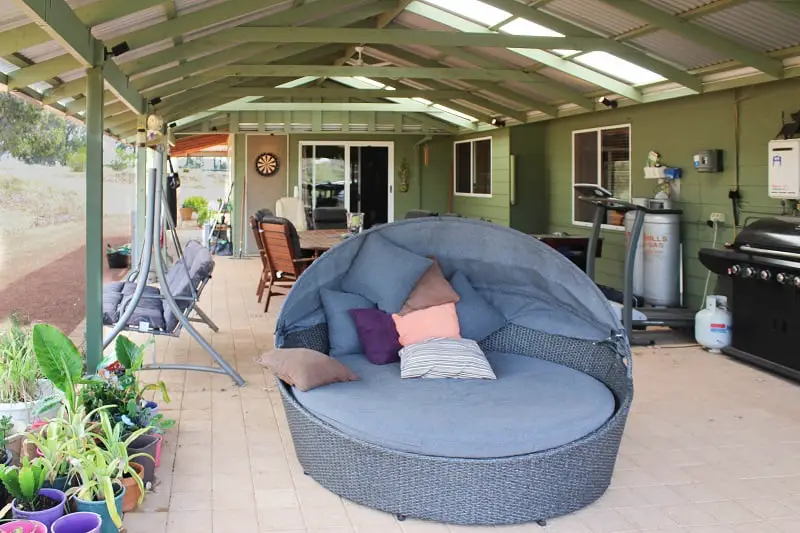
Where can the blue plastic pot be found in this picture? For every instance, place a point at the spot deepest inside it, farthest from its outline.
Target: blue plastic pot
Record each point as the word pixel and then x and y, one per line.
pixel 101 509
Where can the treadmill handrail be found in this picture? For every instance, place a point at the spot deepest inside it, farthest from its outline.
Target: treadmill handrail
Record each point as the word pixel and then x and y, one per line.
pixel 622 206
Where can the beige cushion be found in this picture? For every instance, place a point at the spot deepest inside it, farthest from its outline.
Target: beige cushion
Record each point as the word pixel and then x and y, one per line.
pixel 306 369
pixel 431 290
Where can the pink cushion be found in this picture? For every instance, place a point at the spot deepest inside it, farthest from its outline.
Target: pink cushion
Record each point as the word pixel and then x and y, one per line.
pixel 438 322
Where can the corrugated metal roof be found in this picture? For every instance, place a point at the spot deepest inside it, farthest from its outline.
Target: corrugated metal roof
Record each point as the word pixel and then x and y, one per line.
pixel 756 24
pixel 43 52
pixel 187 6
pixel 678 50
pixel 529 89
pixel 594 14
pixel 679 6
pixel 134 21
pixel 13 16
pixel 566 79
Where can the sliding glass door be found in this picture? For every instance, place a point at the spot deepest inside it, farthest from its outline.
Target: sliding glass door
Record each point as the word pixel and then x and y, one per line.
pixel 356 176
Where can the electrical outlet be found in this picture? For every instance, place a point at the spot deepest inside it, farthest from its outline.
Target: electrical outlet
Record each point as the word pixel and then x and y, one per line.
pixel 717 217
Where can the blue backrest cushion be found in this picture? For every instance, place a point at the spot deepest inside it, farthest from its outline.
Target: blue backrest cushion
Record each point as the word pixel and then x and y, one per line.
pixel 477 318
pixel 342 332
pixel 384 273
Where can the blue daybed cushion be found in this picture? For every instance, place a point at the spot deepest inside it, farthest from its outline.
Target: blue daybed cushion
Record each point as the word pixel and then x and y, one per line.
pixel 533 405
pixel 342 332
pixel 477 318
pixel 384 273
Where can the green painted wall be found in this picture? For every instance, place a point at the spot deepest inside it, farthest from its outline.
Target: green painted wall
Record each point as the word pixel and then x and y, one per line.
pixel 497 208
pixel 437 175
pixel 530 212
pixel 677 129
pixel 404 149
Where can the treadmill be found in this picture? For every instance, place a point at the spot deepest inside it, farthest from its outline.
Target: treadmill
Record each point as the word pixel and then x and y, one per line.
pixel 672 317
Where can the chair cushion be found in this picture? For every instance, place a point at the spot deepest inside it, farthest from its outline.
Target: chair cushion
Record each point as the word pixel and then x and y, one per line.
pixel 533 405
pixel 377 335
pixel 440 322
pixel 477 318
pixel 306 369
pixel 342 332
pixel 431 289
pixel 445 358
pixel 384 273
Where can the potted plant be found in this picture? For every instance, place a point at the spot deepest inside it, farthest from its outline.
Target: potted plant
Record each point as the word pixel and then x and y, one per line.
pixel 195 203
pixel 186 210
pixel 31 501
pixel 21 382
pixel 23 526
pixel 78 523
pixel 99 487
pixel 117 442
pixel 50 444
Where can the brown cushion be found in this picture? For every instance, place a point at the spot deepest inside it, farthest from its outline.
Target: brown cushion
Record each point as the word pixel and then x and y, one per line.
pixel 431 290
pixel 306 369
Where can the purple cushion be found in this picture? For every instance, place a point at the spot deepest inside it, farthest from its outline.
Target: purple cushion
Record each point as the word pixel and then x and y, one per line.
pixel 378 335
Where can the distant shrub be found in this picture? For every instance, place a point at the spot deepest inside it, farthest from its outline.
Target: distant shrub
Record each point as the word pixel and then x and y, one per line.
pixel 76 161
pixel 198 203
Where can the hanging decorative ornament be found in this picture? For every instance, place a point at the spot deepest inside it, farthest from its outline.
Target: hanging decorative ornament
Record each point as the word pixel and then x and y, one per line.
pixel 155 123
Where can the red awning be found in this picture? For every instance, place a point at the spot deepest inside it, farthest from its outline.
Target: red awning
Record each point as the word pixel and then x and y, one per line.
pixel 197 143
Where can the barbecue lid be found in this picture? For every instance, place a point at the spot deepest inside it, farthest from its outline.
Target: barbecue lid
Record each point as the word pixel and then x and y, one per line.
pixel 777 233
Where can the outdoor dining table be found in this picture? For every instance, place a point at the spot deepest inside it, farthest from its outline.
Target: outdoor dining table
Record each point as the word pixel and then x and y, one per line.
pixel 320 240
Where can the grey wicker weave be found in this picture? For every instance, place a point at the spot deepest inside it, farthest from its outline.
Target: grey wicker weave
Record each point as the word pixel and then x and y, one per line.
pixel 486 491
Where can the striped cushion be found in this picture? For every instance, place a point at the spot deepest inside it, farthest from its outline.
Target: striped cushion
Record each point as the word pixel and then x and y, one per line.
pixel 445 358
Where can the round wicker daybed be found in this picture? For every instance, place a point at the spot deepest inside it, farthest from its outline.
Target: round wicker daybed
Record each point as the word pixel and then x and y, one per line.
pixel 539 442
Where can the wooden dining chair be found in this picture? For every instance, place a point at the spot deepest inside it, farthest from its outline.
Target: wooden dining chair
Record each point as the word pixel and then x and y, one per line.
pixel 266 274
pixel 285 260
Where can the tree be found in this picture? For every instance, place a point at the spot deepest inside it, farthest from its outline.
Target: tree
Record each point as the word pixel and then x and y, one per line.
pixel 35 135
pixel 124 157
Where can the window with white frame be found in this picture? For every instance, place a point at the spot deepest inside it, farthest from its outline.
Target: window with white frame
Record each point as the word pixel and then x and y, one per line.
pixel 601 156
pixel 472 161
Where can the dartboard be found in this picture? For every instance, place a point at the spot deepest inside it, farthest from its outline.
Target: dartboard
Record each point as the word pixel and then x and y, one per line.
pixel 267 164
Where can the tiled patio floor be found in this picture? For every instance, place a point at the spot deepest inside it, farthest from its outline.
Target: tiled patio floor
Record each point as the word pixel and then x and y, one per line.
pixel 712 445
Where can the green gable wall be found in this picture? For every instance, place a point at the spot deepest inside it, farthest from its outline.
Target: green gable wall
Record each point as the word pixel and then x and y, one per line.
pixel 677 129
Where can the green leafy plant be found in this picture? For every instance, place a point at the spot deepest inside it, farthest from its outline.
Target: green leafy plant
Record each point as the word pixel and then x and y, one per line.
pixel 6 428
pixel 97 472
pixel 19 369
pixel 204 215
pixel 24 482
pixel 60 362
pixel 51 441
pixel 195 202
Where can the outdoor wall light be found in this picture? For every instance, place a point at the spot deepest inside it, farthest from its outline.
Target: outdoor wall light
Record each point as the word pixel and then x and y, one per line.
pixel 498 122
pixel 155 101
pixel 118 49
pixel 613 104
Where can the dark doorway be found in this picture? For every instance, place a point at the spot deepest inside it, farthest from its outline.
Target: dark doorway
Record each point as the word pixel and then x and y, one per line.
pixel 369 193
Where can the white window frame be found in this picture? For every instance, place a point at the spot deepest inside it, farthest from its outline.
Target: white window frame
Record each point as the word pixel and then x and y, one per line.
pixel 472 169
pixel 599 169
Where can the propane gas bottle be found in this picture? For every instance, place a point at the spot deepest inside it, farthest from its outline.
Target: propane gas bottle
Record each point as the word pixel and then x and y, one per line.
pixel 712 325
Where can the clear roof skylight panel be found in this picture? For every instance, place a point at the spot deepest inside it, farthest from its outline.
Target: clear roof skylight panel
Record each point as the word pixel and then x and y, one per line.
pixel 521 26
pixel 618 68
pixel 454 112
pixel 473 10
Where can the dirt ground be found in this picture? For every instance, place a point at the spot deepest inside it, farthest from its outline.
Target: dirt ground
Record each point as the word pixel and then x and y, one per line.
pixel 42 237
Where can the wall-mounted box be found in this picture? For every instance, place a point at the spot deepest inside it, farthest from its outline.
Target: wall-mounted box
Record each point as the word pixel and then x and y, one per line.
pixel 708 161
pixel 784 169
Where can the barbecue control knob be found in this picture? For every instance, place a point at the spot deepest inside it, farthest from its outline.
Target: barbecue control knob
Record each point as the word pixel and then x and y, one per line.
pixel 734 270
pixel 765 275
pixel 748 272
pixel 781 278
pixel 796 281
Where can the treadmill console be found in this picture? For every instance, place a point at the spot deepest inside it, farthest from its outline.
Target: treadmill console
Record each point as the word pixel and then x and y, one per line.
pixel 590 190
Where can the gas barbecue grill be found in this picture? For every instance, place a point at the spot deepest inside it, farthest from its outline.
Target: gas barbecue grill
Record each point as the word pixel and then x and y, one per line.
pixel 764 265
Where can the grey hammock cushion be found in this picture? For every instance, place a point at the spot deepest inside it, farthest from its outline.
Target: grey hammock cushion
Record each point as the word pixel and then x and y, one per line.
pixel 477 318
pixel 384 273
pixel 533 405
pixel 445 358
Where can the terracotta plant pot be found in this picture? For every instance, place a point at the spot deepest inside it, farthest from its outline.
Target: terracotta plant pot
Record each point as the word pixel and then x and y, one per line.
pixel 27 526
pixel 131 500
pixel 186 213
